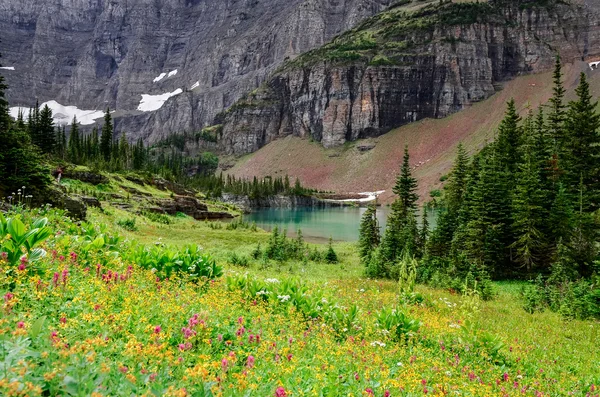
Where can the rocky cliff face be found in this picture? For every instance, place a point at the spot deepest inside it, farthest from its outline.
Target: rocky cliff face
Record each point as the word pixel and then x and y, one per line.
pixel 398 67
pixel 98 53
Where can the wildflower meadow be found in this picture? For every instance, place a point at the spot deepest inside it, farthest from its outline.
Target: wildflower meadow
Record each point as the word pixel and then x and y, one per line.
pixel 89 312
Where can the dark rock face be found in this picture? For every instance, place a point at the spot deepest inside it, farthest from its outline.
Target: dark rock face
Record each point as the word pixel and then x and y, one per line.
pixel 91 201
pixel 88 177
pixel 99 53
pixel 187 205
pixel 450 68
pixel 247 204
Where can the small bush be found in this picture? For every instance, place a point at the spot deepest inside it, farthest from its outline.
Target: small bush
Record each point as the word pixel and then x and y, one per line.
pixel 158 218
pixel 238 260
pixel 128 224
pixel 331 256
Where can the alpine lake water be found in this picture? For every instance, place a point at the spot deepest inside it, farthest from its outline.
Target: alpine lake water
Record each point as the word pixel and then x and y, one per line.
pixel 318 224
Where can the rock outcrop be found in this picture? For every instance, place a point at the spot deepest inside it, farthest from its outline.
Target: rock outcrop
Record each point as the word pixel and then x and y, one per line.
pixel 186 205
pixel 397 68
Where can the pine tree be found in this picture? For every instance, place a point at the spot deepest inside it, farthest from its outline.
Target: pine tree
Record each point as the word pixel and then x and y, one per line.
pixel 448 215
pixel 528 211
pixel 401 232
pixel 330 256
pixel 33 122
pixel 561 217
pixel 406 186
pixel 20 161
pixel 45 131
pixel 582 145
pixel 74 149
pixel 106 138
pixel 458 180
pixel 124 151
pixel 368 234
pixel 20 125
pixel 556 118
pixel 509 139
pixel 5 120
pixel 423 233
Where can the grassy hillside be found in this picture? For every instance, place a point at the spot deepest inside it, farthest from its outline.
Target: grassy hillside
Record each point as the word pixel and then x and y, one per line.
pixel 432 144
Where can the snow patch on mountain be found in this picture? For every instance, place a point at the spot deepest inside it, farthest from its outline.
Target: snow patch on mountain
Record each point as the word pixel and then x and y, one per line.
pixel 150 103
pixel 63 114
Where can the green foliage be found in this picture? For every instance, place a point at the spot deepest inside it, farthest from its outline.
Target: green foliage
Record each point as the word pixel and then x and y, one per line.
pixel 157 217
pixel 189 261
pixel 238 260
pixel 369 237
pixel 18 241
pixel 330 255
pixel 128 224
pixel 397 323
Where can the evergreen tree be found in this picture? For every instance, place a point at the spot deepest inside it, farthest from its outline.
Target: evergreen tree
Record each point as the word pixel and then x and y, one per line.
pixel 528 211
pixel 21 126
pixel 330 256
pixel 5 120
pixel 556 118
pixel 124 151
pixel 561 217
pixel 20 161
pixel 368 234
pixel 33 122
pixel 423 233
pixel 46 139
pixel 401 231
pixel 74 149
pixel 448 216
pixel 106 139
pixel 582 145
pixel 406 186
pixel 509 139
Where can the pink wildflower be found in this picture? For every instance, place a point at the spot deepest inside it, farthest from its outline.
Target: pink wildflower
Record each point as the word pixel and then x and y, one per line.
pixel 250 362
pixel 280 392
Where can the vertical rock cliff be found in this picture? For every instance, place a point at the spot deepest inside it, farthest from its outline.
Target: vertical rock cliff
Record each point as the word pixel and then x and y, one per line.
pixel 98 53
pixel 404 65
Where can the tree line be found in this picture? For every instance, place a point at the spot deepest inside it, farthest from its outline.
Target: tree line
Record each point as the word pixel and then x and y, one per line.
pixel 525 206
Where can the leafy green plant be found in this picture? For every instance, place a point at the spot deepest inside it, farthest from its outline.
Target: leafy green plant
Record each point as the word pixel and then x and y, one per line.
pixel 238 260
pixel 128 224
pixel 18 242
pixel 397 324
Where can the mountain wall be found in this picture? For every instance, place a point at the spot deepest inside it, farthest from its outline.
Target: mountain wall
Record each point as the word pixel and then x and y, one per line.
pixel 97 53
pixel 402 66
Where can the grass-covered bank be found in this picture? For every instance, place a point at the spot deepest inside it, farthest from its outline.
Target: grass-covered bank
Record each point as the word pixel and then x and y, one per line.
pixel 99 318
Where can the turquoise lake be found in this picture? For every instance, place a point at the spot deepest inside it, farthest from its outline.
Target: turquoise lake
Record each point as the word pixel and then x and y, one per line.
pixel 340 223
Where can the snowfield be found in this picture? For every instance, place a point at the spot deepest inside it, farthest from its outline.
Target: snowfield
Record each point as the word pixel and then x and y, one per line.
pixel 150 103
pixel 63 114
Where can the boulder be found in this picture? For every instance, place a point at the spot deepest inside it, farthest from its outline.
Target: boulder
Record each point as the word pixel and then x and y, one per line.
pixel 91 201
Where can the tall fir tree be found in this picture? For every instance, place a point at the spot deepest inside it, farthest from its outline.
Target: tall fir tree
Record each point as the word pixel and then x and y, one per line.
pixel 556 117
pixel 369 237
pixel 509 139
pixel 401 232
pixel 106 138
pixel 528 205
pixel 74 150
pixel 46 138
pixel 406 186
pixel 448 215
pixel 582 146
